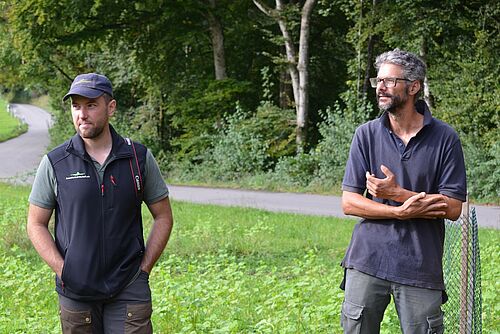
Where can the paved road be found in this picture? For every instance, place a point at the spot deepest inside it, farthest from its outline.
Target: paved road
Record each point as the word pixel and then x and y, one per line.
pixel 292 202
pixel 25 152
pixel 21 155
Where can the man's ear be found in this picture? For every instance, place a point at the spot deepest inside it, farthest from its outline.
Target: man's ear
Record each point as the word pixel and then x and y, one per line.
pixel 415 87
pixel 111 107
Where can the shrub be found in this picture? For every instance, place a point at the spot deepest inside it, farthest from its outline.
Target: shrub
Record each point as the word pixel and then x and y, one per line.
pixel 336 131
pixel 483 174
pixel 194 112
pixel 293 171
pixel 237 150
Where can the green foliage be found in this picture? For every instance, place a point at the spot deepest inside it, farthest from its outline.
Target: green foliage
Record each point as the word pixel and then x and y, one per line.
pixel 237 151
pixel 244 145
pixel 323 167
pixel 10 126
pixel 336 131
pixel 229 270
pixel 483 172
pixel 196 113
pixel 294 171
pixel 159 56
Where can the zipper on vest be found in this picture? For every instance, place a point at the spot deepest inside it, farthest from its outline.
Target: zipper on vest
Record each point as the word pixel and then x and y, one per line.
pixel 100 184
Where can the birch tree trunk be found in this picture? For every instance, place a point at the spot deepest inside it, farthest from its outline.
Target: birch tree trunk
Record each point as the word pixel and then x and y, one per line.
pixel 303 69
pixel 427 93
pixel 298 62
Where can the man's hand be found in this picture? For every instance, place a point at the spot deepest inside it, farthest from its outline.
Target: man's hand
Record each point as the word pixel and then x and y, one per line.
pixel 422 205
pixel 386 188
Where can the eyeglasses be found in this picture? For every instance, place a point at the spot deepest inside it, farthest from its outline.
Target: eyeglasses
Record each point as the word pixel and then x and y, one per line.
pixel 388 82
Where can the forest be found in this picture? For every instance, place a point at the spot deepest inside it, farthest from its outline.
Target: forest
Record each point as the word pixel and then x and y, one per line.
pixel 259 93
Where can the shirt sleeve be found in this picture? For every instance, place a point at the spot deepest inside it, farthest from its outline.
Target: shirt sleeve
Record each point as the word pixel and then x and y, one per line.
pixel 44 190
pixel 155 188
pixel 452 181
pixel 356 166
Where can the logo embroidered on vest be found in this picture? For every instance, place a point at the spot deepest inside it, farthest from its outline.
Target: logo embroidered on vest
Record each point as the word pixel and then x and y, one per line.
pixel 77 175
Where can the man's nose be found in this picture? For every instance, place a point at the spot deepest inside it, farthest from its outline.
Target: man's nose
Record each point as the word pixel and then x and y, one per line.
pixel 82 113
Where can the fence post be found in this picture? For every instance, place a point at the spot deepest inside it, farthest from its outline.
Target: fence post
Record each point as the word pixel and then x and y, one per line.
pixel 464 275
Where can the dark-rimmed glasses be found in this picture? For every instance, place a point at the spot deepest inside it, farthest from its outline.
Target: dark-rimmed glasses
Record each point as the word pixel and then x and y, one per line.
pixel 388 82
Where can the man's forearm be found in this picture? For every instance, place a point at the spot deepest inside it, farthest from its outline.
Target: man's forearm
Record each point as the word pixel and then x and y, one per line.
pixel 420 205
pixel 157 241
pixel 357 205
pixel 45 246
pixel 159 235
pixel 38 233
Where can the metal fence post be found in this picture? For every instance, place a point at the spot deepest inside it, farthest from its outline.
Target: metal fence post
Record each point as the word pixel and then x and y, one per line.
pixel 464 275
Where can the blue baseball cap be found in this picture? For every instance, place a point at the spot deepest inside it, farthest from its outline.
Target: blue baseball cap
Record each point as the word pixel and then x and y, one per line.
pixel 90 85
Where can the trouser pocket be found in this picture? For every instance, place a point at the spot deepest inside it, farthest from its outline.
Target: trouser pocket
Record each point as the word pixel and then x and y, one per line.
pixel 436 325
pixel 75 322
pixel 351 317
pixel 138 319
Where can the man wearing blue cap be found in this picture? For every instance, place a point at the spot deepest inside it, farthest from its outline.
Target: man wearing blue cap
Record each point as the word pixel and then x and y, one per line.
pixel 96 182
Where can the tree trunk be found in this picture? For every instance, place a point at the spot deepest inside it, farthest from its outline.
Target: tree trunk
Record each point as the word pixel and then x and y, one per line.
pixel 303 69
pixel 291 53
pixel 360 20
pixel 369 55
pixel 286 92
pixel 427 93
pixel 217 35
pixel 298 67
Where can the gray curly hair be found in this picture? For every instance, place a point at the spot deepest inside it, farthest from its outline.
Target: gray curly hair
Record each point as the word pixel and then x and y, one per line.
pixel 413 67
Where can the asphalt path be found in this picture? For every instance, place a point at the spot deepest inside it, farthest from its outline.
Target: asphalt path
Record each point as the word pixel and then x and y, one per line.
pixel 308 204
pixel 20 157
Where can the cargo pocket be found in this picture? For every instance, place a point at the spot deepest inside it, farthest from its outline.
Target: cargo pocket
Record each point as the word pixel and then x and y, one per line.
pixel 75 322
pixel 138 319
pixel 436 325
pixel 351 317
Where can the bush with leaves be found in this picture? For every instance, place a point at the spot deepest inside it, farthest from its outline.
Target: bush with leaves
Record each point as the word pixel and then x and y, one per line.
pixel 237 151
pixel 196 110
pixel 336 131
pixel 483 174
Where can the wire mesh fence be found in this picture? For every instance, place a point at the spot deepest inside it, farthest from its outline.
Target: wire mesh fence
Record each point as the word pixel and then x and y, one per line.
pixel 462 275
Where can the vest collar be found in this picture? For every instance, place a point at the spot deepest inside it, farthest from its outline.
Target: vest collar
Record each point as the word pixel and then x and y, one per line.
pixel 120 148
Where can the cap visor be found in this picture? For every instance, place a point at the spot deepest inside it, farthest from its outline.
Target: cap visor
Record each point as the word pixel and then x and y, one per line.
pixel 83 91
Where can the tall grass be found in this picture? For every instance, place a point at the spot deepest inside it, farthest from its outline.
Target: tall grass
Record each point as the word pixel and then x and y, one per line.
pixel 225 270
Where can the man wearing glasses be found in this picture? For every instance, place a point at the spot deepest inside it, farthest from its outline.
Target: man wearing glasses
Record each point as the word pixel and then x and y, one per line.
pixel 405 175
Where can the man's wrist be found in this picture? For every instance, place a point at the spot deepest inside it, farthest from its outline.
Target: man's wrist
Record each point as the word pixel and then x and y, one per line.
pixel 397 212
pixel 403 194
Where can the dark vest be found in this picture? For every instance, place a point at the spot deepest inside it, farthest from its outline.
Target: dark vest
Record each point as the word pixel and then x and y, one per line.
pixel 98 226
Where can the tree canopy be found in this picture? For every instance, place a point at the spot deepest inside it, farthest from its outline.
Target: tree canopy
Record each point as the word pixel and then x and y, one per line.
pixel 180 68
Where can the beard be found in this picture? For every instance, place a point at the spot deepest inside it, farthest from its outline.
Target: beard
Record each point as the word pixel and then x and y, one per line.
pixel 395 103
pixel 91 133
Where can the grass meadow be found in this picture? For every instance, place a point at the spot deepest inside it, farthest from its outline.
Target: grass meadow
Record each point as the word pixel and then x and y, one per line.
pixel 225 270
pixel 10 127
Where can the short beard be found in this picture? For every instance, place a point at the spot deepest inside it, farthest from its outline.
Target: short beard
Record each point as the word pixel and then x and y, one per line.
pixel 92 134
pixel 396 103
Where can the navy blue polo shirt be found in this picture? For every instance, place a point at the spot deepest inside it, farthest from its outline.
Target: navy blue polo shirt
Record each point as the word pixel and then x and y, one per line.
pixel 404 251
